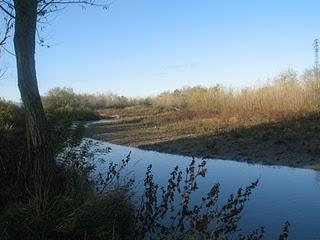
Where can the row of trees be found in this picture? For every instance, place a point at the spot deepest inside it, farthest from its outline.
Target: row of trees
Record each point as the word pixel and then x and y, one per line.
pixel 66 98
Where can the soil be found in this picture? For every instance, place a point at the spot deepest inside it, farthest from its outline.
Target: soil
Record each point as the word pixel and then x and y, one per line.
pixel 293 141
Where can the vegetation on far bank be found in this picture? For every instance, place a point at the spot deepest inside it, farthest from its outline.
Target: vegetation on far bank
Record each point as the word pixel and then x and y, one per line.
pixel 288 94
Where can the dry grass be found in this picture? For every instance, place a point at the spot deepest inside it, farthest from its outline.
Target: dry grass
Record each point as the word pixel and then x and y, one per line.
pixel 286 96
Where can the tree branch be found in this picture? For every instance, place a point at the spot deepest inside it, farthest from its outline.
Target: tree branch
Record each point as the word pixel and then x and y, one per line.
pixel 10 14
pixel 8 51
pixel 6 33
pixel 43 9
pixel 2 73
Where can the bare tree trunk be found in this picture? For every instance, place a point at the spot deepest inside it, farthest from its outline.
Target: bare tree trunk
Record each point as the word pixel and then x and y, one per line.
pixel 39 149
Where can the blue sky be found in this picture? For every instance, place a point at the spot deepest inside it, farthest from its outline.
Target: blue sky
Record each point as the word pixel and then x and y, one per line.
pixel 143 47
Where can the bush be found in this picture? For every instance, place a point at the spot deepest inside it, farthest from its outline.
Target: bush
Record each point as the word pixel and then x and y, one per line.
pixel 105 217
pixel 64 102
pixel 12 142
pixel 74 210
pixel 11 115
pixel 65 99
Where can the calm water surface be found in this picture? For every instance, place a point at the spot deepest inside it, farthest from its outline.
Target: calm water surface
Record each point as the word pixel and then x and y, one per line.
pixel 283 193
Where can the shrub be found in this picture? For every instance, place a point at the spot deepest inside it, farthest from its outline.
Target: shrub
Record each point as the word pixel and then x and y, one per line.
pixel 12 147
pixel 64 102
pixel 74 210
pixel 11 115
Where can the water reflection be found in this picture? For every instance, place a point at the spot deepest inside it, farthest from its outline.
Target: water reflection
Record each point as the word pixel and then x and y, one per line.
pixel 283 193
pixel 317 178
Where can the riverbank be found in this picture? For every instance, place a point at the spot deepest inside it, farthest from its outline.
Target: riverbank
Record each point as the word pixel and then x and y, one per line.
pixel 290 141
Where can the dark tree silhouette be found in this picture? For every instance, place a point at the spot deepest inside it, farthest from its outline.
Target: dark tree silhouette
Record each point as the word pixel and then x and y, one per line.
pixel 24 16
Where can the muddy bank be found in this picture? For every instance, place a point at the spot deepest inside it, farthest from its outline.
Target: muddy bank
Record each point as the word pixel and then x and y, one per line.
pixel 293 142
pixel 242 149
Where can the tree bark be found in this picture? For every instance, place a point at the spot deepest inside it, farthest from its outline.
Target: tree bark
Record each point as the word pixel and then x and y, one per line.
pixel 39 150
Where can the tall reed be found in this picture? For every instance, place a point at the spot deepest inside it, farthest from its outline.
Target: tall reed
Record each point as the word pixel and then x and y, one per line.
pixel 288 94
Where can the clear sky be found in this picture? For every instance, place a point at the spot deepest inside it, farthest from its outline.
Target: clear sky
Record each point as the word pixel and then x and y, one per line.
pixel 143 47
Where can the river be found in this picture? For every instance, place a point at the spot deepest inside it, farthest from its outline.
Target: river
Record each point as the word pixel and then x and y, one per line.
pixel 283 193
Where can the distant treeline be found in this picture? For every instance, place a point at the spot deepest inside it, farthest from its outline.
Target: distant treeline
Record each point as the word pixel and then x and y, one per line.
pixel 287 94
pixel 66 98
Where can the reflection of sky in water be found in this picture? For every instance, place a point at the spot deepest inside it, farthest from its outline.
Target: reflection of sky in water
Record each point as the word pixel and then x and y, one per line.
pixel 283 193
